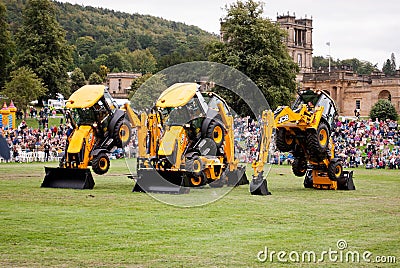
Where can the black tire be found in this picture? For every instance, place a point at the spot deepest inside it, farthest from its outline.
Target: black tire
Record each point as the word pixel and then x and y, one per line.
pixel 299 167
pixel 122 133
pixel 335 169
pixel 194 165
pixel 284 141
pixel 318 141
pixel 308 180
pixel 100 164
pixel 216 132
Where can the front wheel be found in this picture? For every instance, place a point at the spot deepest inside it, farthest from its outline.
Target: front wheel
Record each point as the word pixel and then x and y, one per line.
pixel 196 180
pixel 299 167
pixel 335 169
pixel 284 140
pixel 101 164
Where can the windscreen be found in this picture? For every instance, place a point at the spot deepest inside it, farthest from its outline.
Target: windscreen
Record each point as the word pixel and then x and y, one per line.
pixel 184 114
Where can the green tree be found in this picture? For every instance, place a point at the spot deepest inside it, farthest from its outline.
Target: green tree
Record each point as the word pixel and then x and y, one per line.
pixel 137 82
pixel 359 67
pixel 389 67
pixel 77 79
pixel 145 90
pixel 103 72
pixel 383 110
pixel 101 60
pixel 142 61
pixel 253 45
pixel 42 46
pixel 95 79
pixel 133 43
pixel 25 86
pixel 84 45
pixel 89 68
pixel 393 61
pixel 117 61
pixel 6 45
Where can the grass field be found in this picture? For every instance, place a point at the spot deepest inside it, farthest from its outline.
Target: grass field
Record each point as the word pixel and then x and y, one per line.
pixel 110 226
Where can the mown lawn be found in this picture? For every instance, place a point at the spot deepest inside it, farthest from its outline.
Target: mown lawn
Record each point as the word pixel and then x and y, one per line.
pixel 110 226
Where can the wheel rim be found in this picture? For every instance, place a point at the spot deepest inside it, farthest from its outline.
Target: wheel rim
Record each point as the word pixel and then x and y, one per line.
pixel 103 164
pixel 323 137
pixel 338 171
pixel 124 133
pixel 196 166
pixel 196 181
pixel 217 134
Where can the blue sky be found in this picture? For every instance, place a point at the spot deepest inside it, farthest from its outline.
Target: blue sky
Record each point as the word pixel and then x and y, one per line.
pixel 367 30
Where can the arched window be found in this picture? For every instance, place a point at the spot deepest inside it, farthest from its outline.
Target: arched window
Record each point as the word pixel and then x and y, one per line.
pixel 385 95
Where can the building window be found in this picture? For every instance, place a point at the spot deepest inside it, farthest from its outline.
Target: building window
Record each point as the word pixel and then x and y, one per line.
pixel 358 104
pixel 300 60
pixel 119 84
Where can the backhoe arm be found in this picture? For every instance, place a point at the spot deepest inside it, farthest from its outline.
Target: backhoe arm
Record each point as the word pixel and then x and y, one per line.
pixel 267 125
pixel 258 185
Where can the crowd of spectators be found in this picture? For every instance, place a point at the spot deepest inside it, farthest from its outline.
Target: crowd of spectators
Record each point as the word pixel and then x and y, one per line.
pixel 44 138
pixel 368 143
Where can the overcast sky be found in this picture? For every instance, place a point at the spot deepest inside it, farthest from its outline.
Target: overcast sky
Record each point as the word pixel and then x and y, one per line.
pixel 367 30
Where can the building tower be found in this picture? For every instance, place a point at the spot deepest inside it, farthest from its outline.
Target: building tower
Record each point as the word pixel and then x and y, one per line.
pixel 299 40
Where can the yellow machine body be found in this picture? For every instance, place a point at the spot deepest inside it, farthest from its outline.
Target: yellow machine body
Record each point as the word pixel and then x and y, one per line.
pixel 81 141
pixel 188 142
pixel 85 97
pixel 173 145
pixel 304 130
pixel 98 127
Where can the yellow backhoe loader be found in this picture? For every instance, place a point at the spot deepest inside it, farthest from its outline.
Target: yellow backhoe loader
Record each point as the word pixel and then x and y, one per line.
pixel 189 143
pixel 305 130
pixel 98 126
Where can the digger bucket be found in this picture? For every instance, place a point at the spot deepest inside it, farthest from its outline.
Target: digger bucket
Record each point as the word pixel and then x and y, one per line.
pixel 72 178
pixel 151 181
pixel 258 185
pixel 346 181
pixel 237 177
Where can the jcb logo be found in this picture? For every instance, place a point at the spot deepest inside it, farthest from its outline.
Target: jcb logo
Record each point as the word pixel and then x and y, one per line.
pixel 283 119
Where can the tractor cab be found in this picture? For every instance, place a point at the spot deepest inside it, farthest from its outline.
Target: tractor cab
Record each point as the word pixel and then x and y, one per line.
pixel 317 99
pixel 93 106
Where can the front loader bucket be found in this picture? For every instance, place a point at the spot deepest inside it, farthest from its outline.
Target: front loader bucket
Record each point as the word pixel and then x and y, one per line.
pixel 237 177
pixel 72 178
pixel 152 181
pixel 258 185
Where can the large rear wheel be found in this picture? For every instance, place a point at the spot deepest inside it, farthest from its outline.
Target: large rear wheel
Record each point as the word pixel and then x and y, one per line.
pixel 318 141
pixel 100 164
pixel 215 131
pixel 122 132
